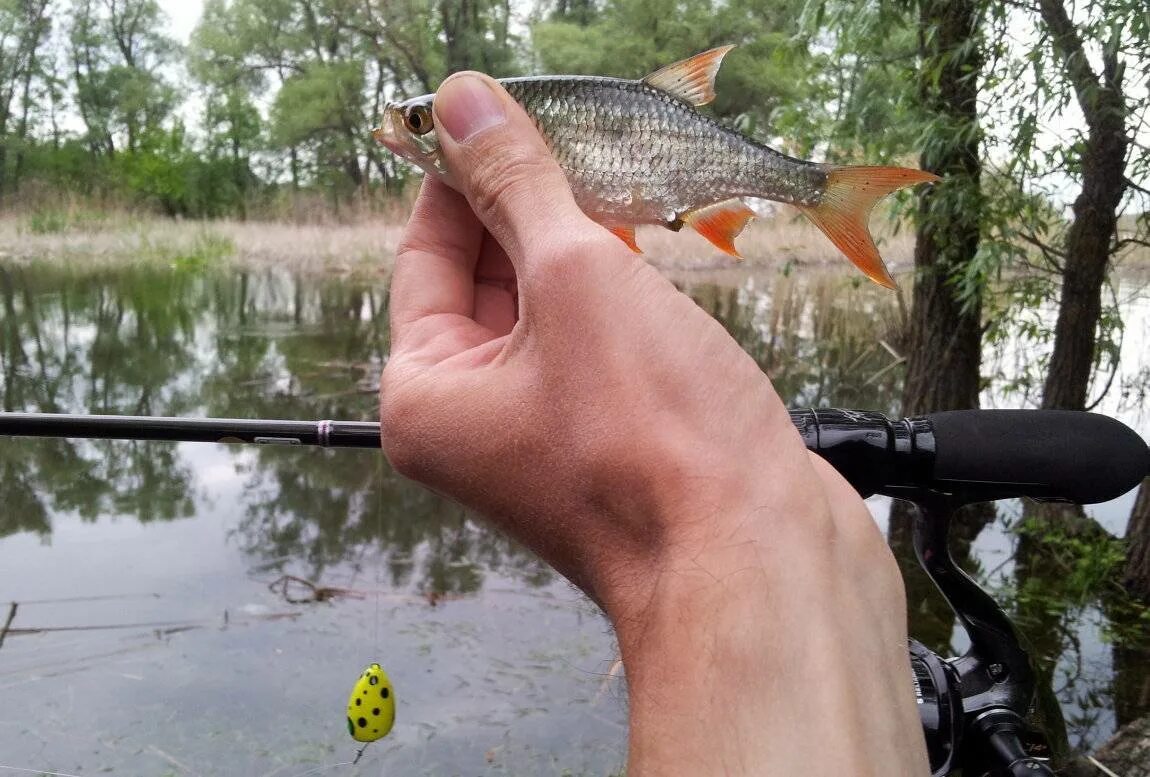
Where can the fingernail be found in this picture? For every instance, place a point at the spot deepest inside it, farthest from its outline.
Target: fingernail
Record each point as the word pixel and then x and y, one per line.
pixel 465 106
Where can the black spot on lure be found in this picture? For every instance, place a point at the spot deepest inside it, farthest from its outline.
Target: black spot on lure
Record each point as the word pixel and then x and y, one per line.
pixel 638 152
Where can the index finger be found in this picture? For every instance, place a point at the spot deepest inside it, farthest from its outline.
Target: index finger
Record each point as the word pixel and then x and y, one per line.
pixel 435 263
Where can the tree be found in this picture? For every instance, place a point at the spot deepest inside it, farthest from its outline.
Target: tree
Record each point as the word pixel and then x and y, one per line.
pixel 945 334
pixel 772 80
pixel 232 122
pixel 24 26
pixel 1069 107
pixel 1102 157
pixel 477 35
pixel 118 58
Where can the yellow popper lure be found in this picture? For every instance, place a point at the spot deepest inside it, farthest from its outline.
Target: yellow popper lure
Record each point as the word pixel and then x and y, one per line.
pixel 370 708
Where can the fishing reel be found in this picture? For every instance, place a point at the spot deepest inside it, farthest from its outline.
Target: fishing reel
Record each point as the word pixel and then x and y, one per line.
pixel 1001 740
pixel 972 707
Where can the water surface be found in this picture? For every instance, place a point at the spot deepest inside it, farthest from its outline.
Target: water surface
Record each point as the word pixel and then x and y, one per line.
pixel 151 636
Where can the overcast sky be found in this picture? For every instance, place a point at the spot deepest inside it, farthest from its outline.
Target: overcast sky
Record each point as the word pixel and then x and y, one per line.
pixel 183 15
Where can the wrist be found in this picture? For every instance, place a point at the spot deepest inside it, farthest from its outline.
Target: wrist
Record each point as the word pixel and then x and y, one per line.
pixel 762 639
pixel 711 539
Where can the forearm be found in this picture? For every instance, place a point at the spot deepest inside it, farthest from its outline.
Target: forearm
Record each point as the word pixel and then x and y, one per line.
pixel 760 658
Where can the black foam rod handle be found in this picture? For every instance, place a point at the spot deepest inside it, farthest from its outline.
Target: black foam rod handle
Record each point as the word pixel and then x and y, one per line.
pixel 1080 457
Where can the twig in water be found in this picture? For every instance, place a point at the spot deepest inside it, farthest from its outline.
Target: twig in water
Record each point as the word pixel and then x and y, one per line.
pixel 1100 767
pixel 891 350
pixel 102 597
pixel 314 593
pixel 884 370
pixel 171 760
pixel 11 616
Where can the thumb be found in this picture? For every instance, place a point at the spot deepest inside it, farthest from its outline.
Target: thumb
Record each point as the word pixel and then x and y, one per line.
pixel 501 164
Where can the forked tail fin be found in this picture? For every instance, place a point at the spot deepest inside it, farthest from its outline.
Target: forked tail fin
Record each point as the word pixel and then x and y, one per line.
pixel 842 213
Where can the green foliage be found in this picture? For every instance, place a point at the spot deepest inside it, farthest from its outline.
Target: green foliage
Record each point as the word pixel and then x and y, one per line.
pixel 1036 147
pixel 117 54
pixel 49 222
pixel 208 250
pixel 766 80
pixel 868 82
pixel 313 105
pixel 1074 567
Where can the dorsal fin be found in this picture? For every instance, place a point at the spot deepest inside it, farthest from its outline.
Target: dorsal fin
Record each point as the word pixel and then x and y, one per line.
pixel 691 80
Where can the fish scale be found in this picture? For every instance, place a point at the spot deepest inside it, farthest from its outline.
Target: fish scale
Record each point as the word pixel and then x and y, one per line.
pixel 615 138
pixel 639 152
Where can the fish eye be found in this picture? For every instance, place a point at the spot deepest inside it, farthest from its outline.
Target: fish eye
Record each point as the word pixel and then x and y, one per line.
pixel 418 119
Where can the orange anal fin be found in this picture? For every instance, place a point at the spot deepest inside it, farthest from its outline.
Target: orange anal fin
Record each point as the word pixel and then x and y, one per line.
pixel 845 206
pixel 721 223
pixel 627 235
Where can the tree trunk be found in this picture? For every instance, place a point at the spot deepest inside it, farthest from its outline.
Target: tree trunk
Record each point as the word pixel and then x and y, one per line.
pixel 1130 686
pixel 945 336
pixel 1088 248
pixel 22 133
pixel 1091 236
pixel 1137 574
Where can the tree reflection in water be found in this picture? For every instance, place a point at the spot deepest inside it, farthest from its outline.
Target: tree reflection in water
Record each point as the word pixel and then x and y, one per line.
pixel 157 341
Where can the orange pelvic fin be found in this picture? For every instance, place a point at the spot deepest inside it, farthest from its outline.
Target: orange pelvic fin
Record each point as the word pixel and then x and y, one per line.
pixel 691 80
pixel 627 235
pixel 846 204
pixel 721 223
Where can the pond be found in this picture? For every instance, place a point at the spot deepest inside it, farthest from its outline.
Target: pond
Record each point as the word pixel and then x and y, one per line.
pixel 204 609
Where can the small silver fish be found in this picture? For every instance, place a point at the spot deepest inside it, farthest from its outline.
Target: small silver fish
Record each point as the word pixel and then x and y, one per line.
pixel 638 152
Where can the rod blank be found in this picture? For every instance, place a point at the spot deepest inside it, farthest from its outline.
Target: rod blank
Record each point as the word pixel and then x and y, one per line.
pixel 326 434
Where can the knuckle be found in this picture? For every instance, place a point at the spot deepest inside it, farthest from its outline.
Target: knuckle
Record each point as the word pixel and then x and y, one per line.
pixel 410 243
pixel 504 178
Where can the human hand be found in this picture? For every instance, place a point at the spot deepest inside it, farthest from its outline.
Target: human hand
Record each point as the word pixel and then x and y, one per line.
pixel 545 376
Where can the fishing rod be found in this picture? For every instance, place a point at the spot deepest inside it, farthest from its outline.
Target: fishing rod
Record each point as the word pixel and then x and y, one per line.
pixel 981 454
pixel 325 434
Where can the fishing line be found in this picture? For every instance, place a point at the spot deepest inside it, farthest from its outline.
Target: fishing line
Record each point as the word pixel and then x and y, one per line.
pixel 378 576
pixel 378 560
pixel 319 769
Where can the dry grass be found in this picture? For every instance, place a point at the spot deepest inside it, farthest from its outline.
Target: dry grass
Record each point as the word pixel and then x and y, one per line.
pixel 302 247
pixel 779 241
pixel 774 242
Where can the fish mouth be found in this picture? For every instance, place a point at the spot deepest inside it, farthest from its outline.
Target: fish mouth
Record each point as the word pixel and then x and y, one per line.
pixel 423 151
pixel 386 134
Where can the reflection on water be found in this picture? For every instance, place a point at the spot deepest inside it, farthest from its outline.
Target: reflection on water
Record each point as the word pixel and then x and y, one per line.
pixel 499 666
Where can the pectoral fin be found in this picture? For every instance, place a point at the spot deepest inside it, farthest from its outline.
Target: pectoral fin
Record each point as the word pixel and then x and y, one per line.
pixel 721 223
pixel 627 235
pixel 691 80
